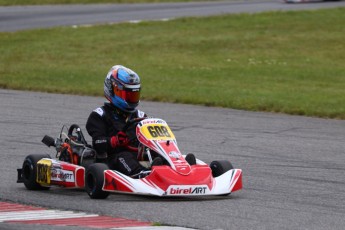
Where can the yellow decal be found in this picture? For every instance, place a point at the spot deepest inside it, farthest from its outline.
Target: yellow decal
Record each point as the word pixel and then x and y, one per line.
pixel 157 132
pixel 43 171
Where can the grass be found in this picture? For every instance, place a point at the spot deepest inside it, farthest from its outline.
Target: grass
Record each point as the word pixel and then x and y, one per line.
pixel 287 62
pixel 47 2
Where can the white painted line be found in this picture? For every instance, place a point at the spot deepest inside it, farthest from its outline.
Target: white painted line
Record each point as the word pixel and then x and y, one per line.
pixel 42 215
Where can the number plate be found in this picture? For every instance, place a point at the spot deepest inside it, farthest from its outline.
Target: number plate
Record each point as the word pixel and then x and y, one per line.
pixel 157 132
pixel 43 171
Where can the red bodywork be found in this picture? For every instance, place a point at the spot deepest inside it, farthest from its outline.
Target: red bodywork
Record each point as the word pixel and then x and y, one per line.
pixel 60 173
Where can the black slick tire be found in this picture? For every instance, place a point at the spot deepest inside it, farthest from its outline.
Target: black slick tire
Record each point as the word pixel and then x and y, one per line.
pixel 29 171
pixel 94 179
pixel 220 167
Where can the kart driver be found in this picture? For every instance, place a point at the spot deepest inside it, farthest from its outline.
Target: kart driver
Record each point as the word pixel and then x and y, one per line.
pixel 105 124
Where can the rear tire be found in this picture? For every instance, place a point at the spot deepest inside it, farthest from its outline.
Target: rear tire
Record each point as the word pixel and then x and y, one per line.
pixel 220 167
pixel 94 180
pixel 29 171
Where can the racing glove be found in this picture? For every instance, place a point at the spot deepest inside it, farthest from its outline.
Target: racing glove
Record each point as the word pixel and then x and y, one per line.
pixel 119 140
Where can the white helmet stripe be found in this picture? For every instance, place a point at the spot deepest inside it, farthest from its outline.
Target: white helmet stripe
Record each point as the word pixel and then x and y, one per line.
pixel 131 86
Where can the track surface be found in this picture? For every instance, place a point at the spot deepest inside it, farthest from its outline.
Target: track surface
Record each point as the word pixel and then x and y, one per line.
pixel 29 17
pixel 293 166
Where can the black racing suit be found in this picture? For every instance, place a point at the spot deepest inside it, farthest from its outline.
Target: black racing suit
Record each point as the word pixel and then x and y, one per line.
pixel 105 122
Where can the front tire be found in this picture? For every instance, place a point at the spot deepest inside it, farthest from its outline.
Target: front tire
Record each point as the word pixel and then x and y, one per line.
pixel 29 171
pixel 220 167
pixel 94 180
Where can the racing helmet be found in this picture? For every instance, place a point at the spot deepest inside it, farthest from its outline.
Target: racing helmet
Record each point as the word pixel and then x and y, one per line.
pixel 122 88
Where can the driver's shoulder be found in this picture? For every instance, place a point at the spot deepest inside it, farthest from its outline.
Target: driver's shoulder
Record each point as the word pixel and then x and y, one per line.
pixel 100 111
pixel 103 110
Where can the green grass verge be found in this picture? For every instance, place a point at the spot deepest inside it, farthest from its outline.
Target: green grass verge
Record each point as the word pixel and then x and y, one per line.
pixel 48 2
pixel 288 62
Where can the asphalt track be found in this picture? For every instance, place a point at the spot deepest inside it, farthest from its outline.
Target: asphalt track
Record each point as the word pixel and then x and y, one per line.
pixel 293 166
pixel 29 17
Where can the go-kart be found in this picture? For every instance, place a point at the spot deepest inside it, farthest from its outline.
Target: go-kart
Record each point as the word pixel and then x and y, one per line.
pixel 174 177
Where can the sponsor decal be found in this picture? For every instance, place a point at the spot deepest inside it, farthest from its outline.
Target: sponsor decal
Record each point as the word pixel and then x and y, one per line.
pixel 187 190
pixel 122 160
pixel 175 155
pixel 56 166
pixel 153 121
pixel 99 111
pixel 100 141
pixel 62 175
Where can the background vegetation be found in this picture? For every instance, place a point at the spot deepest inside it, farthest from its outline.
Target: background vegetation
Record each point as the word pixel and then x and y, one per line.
pixel 289 62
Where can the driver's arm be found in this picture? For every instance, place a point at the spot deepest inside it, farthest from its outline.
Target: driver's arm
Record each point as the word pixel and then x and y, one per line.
pixel 97 129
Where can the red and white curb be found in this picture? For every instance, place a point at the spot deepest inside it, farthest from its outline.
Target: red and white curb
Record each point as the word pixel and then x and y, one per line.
pixel 25 214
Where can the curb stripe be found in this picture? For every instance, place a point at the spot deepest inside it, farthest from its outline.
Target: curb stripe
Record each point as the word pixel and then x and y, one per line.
pixel 25 214
pixel 8 207
pixel 41 215
pixel 93 222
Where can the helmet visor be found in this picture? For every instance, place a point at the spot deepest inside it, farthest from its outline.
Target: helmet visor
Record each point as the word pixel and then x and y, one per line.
pixel 129 95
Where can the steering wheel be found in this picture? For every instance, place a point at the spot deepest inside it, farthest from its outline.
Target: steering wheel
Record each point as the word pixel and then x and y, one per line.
pixel 75 129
